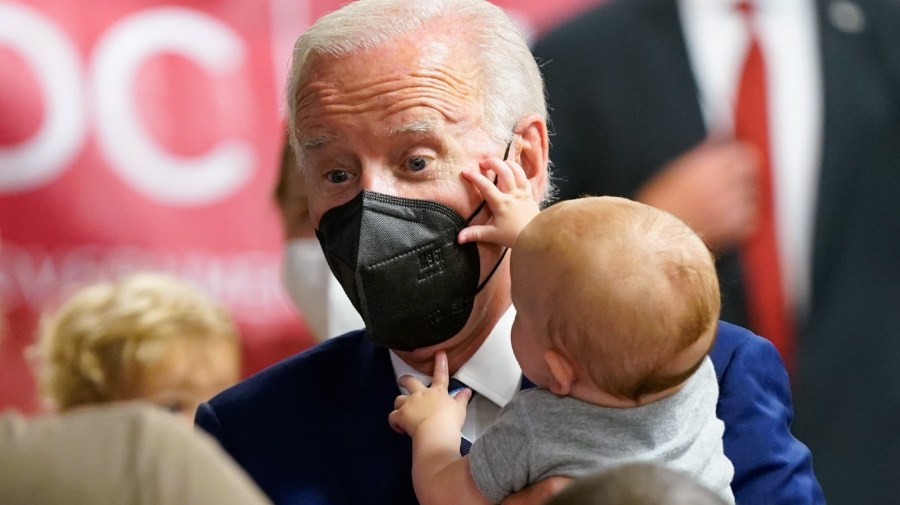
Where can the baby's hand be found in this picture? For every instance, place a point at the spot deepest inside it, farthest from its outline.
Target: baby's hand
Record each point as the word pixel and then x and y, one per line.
pixel 511 202
pixel 432 405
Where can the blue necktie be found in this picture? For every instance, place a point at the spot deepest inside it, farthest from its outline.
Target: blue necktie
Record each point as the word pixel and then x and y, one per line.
pixel 454 386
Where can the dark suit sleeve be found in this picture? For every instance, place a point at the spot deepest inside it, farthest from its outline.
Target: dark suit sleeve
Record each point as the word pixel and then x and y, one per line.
pixel 207 419
pixel 770 465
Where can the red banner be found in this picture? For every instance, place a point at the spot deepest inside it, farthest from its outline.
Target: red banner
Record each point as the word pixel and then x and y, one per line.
pixel 145 135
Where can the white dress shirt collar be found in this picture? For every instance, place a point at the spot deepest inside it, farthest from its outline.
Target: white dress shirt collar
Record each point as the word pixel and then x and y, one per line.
pixel 492 371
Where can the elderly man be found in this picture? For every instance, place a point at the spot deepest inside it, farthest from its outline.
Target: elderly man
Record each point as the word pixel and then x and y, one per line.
pixel 390 100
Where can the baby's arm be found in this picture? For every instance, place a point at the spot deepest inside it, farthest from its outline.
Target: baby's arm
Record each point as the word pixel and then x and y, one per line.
pixel 433 419
pixel 511 202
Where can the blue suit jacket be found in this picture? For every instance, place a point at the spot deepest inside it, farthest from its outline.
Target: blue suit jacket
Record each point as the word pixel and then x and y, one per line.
pixel 313 429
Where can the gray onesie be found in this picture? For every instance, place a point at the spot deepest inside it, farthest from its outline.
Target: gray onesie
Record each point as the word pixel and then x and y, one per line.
pixel 539 434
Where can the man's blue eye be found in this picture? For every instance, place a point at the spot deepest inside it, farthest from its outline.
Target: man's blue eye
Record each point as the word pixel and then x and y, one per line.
pixel 417 164
pixel 337 176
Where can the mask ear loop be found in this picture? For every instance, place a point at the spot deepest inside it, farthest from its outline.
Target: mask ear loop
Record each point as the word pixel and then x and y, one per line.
pixel 505 249
pixel 481 205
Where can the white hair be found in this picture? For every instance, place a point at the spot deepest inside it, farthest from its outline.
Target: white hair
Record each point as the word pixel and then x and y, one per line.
pixel 511 81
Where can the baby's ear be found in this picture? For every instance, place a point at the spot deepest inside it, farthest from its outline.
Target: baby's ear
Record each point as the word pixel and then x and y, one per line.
pixel 562 373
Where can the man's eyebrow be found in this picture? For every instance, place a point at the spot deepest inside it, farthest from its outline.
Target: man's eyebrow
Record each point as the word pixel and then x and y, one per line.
pixel 424 125
pixel 316 141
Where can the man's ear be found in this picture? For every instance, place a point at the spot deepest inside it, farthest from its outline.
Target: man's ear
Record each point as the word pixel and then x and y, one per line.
pixel 562 373
pixel 532 151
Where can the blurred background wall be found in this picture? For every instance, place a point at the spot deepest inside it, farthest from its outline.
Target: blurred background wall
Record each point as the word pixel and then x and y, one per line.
pixel 146 135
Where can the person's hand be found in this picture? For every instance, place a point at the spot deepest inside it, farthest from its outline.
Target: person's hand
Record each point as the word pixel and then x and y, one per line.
pixel 511 202
pixel 430 405
pixel 713 188
pixel 539 492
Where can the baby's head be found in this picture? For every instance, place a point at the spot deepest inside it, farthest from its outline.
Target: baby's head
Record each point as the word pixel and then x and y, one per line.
pixel 615 295
pixel 147 337
pixel 640 483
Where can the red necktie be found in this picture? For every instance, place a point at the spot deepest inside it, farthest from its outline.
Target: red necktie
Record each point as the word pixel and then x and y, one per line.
pixel 766 303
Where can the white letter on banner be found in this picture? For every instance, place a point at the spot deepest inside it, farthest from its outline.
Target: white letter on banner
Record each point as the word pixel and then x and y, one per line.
pixel 57 67
pixel 162 176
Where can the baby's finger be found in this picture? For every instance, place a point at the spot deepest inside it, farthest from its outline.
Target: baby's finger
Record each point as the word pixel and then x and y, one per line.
pixel 475 233
pixel 484 185
pixel 522 181
pixel 510 175
pixel 394 421
pixel 463 396
pixel 399 401
pixel 441 376
pixel 411 384
pixel 506 180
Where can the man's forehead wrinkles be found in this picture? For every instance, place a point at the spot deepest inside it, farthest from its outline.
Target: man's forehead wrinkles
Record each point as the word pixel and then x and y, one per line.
pixel 448 94
pixel 463 84
pixel 308 94
pixel 423 81
pixel 443 112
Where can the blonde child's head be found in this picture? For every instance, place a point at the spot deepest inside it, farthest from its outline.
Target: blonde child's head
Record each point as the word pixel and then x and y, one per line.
pixel 625 294
pixel 148 336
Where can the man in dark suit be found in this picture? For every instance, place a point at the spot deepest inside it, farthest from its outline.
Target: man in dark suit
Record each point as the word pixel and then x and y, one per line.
pixel 389 100
pixel 632 97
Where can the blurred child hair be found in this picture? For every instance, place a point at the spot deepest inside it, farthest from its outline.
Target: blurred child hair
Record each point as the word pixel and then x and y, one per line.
pixel 148 336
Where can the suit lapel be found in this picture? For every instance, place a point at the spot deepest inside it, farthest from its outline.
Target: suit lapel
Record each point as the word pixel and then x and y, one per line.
pixel 660 51
pixel 856 117
pixel 647 90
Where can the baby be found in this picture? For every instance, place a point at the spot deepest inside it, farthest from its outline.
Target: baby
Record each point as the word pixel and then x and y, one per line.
pixel 617 306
